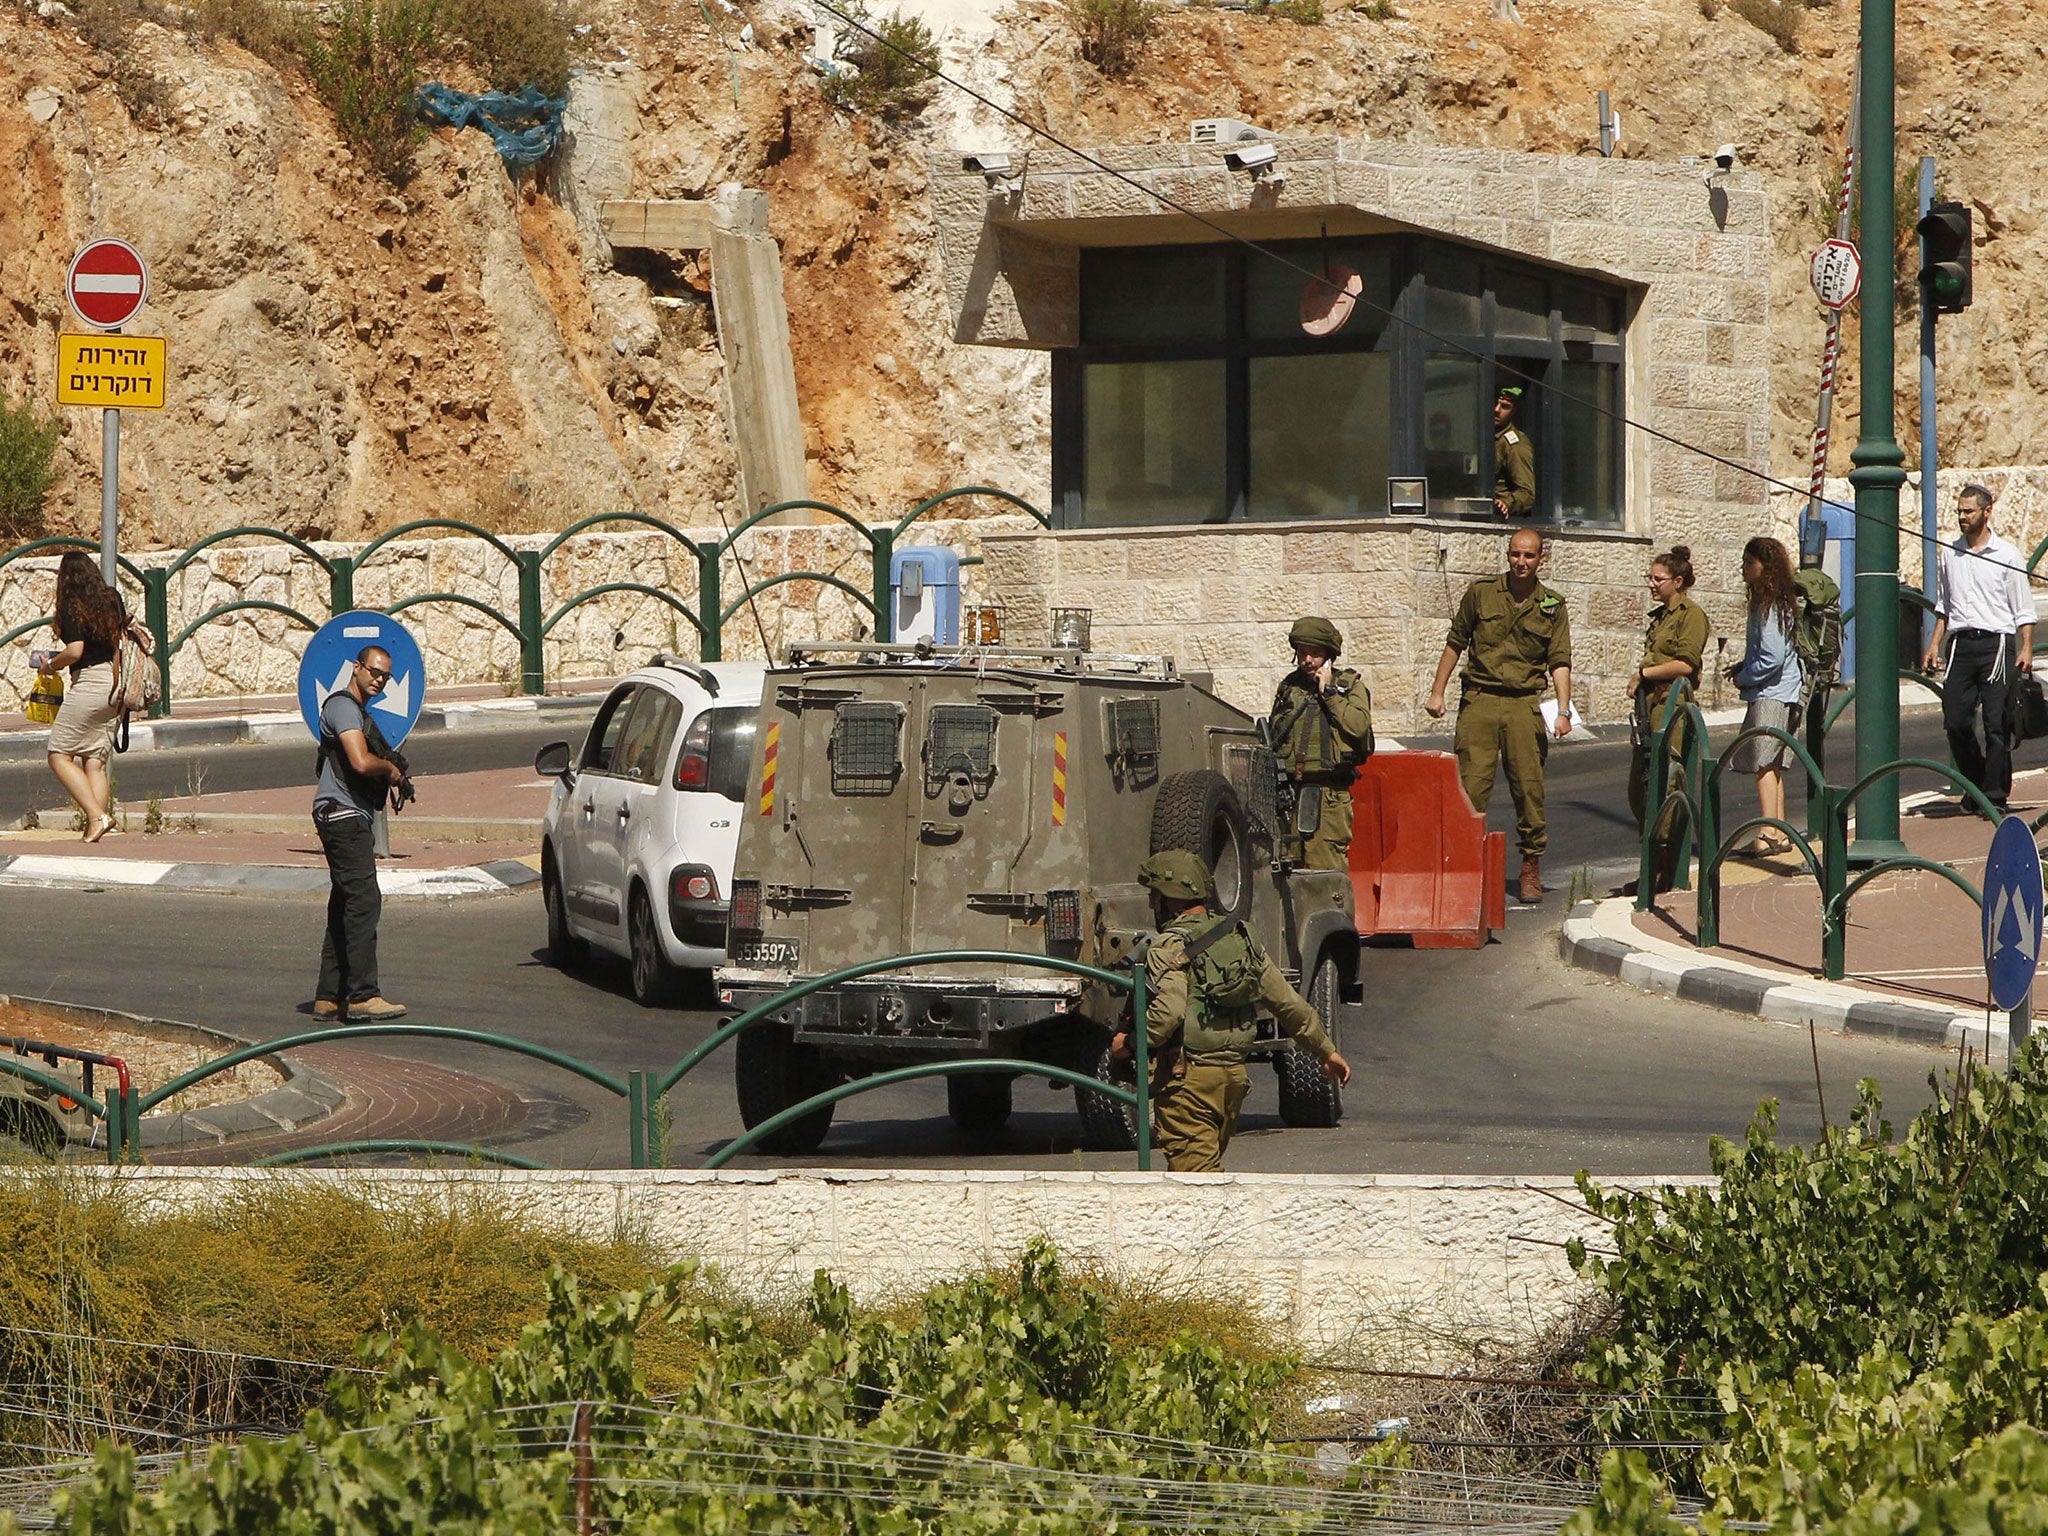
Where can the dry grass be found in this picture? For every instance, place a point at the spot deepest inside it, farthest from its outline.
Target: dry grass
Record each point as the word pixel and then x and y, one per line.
pixel 1780 20
pixel 1112 33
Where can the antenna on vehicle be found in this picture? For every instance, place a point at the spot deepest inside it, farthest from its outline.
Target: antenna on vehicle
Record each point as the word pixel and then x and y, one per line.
pixel 760 629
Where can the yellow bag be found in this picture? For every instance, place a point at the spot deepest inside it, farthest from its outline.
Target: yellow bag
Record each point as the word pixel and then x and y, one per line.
pixel 45 699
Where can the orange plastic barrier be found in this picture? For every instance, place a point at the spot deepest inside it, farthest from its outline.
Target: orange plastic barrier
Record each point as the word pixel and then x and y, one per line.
pixel 1422 861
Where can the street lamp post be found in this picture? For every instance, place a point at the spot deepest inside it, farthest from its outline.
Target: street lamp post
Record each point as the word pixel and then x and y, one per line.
pixel 1878 474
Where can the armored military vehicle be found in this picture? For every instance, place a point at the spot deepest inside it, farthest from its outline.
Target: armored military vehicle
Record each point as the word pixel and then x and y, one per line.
pixel 908 799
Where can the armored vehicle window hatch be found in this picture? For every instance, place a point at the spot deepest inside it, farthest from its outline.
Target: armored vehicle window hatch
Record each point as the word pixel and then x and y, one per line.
pixel 960 739
pixel 865 749
pixel 1131 736
pixel 1253 772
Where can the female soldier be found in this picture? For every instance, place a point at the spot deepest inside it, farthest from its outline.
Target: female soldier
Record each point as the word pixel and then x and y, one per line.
pixel 1674 647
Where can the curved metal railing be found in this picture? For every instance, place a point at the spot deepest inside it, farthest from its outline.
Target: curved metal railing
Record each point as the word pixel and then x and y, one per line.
pixel 533 622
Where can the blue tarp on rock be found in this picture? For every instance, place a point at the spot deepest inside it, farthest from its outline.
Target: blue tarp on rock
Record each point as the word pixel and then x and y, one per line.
pixel 526 125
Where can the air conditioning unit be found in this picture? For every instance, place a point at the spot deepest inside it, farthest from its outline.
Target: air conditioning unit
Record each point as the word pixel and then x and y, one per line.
pixel 1224 130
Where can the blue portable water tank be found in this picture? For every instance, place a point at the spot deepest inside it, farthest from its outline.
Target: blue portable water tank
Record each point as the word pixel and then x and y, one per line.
pixel 924 587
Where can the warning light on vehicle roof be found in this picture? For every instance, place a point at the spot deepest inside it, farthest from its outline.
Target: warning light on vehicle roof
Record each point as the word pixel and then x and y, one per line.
pixel 1070 628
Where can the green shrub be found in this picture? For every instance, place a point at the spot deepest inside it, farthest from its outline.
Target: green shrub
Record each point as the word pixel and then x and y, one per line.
pixel 1113 33
pixel 1306 13
pixel 28 452
pixel 365 59
pixel 1377 10
pixel 513 43
pixel 1001 1405
pixel 894 60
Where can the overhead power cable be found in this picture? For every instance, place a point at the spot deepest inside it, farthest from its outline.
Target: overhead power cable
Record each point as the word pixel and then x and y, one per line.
pixel 1446 343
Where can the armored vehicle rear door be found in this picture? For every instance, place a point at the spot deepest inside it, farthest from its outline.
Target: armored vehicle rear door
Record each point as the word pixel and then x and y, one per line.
pixel 902 809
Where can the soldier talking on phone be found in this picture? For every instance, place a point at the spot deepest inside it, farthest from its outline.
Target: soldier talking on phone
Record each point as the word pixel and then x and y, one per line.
pixel 1321 727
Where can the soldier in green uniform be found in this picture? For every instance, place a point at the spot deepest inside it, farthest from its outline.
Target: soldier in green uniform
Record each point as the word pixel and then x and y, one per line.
pixel 1514 458
pixel 1322 730
pixel 1516 638
pixel 1674 646
pixel 1207 980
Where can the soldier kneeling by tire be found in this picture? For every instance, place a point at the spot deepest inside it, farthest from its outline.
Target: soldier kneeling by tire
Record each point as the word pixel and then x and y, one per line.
pixel 1206 978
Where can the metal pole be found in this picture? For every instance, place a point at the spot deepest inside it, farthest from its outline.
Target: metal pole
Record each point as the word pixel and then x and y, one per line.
pixel 1813 529
pixel 2018 1025
pixel 1930 512
pixel 1878 458
pixel 110 495
pixel 1606 128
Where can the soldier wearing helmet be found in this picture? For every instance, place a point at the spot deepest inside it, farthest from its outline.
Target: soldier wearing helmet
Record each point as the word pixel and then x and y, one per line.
pixel 1322 730
pixel 1207 980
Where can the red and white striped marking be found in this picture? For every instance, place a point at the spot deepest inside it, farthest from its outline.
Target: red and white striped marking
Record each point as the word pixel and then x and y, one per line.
pixel 108 283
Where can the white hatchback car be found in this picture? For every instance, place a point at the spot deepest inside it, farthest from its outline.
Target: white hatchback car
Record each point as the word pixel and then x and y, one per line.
pixel 637 845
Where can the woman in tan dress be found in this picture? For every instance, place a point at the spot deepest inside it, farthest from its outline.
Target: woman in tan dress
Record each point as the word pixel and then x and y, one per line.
pixel 88 624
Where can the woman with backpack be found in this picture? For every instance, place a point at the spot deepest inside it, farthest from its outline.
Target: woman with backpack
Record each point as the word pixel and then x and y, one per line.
pixel 1770 679
pixel 88 623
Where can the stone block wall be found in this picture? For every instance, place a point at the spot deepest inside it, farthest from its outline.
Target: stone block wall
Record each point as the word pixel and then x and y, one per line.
pixel 1414 1271
pixel 1220 599
pixel 256 651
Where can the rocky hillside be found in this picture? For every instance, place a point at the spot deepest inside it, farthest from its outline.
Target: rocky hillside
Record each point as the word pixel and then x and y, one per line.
pixel 347 354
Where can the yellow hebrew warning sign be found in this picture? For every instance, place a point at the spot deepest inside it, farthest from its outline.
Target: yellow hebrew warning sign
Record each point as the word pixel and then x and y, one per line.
pixel 115 372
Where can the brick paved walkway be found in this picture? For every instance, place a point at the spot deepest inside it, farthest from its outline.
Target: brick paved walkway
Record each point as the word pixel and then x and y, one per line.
pixel 1911 934
pixel 389 1097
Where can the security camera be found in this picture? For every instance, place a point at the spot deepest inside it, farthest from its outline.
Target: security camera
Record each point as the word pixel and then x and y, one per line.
pixel 991 164
pixel 1255 157
pixel 1724 157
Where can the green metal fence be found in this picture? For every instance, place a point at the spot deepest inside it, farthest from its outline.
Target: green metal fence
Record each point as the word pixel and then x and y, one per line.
pixel 644 1092
pixel 1687 806
pixel 532 621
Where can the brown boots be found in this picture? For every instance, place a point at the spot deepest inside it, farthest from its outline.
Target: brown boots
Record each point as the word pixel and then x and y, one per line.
pixel 1532 879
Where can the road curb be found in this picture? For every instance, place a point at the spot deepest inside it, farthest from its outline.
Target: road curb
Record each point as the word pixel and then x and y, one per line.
pixel 1601 936
pixel 35 869
pixel 222 731
pixel 305 1095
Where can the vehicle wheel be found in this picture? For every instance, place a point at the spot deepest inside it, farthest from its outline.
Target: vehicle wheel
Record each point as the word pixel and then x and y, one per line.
pixel 1199 813
pixel 772 1072
pixel 1307 1096
pixel 654 979
pixel 979 1102
pixel 565 950
pixel 1108 1125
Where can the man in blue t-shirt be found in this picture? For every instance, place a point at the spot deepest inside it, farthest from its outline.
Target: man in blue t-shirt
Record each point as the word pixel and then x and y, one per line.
pixel 353 784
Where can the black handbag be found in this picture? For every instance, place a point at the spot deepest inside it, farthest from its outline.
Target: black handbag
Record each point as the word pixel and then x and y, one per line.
pixel 2026 709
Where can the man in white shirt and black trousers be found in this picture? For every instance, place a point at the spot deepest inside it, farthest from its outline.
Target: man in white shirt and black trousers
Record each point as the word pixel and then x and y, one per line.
pixel 1984 609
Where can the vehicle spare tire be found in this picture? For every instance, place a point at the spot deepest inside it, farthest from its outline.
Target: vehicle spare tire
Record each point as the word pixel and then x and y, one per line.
pixel 1199 813
pixel 772 1073
pixel 1307 1096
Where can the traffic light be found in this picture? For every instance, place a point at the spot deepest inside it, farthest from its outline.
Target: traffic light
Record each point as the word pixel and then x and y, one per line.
pixel 1945 257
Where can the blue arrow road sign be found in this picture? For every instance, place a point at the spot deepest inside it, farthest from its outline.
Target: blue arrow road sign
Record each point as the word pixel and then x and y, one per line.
pixel 332 651
pixel 2012 913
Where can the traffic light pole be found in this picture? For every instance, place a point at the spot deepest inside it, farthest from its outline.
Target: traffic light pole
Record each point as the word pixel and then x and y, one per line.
pixel 1878 458
pixel 1930 510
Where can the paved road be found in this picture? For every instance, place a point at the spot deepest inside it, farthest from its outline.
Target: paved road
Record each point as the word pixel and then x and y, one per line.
pixel 1497 1061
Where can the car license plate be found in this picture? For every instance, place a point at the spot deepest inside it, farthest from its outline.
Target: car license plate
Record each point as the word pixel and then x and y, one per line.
pixel 767 954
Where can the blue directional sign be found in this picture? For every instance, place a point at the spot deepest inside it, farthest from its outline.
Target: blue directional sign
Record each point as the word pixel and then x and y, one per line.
pixel 2012 913
pixel 331 655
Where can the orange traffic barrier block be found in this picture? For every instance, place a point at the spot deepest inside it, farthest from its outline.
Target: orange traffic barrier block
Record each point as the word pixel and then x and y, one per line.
pixel 1422 861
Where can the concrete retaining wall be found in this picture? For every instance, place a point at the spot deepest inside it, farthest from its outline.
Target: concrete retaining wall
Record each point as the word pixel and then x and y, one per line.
pixel 1398 1269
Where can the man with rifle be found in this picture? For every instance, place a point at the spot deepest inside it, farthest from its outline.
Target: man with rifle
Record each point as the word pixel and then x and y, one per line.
pixel 1320 729
pixel 1206 979
pixel 357 772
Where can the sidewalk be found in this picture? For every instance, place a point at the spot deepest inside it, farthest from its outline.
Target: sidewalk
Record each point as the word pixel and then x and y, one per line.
pixel 468 834
pixel 275 717
pixel 1915 962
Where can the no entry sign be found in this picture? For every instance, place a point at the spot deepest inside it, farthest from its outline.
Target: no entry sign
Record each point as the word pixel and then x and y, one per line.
pixel 108 283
